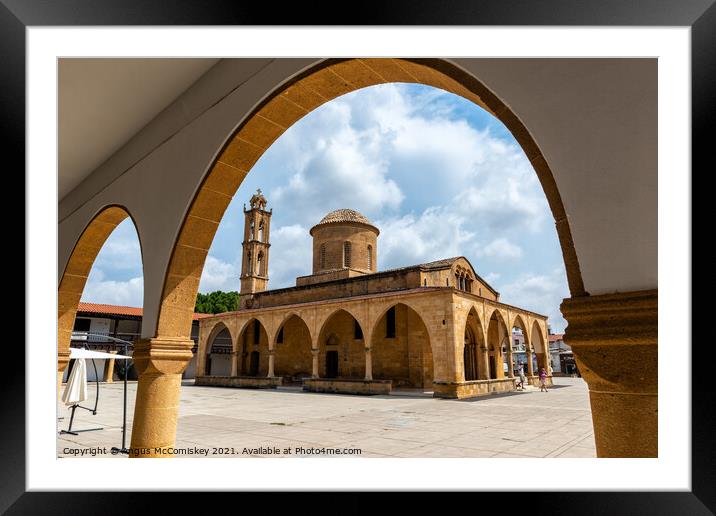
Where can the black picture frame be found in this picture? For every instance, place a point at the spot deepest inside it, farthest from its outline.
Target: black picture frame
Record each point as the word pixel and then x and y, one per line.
pixel 17 15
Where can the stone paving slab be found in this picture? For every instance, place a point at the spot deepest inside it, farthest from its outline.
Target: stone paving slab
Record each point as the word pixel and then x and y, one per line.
pixel 287 421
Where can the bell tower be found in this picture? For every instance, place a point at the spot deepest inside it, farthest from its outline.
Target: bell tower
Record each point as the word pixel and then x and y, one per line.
pixel 254 264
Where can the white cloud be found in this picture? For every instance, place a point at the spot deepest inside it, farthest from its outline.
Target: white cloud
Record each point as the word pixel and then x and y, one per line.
pixel 501 248
pixel 541 293
pixel 126 293
pixel 290 255
pixel 219 275
pixel 437 233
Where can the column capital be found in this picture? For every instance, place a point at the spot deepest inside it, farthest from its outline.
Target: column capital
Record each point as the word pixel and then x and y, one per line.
pixel 367 349
pixel 162 355
pixel 315 351
pixel 609 318
pixel 614 339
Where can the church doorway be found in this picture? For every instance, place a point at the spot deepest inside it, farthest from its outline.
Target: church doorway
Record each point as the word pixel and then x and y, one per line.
pixel 331 364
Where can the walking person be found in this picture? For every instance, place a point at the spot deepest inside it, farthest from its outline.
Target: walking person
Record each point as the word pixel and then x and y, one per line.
pixel 523 378
pixel 543 380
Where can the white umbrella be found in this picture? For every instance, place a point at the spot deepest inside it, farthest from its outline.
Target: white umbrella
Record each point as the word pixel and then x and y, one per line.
pixel 76 390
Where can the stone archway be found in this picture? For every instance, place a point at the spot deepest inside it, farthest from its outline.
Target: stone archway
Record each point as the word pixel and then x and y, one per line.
pixel 495 337
pixel 166 352
pixel 474 359
pixel 219 353
pixel 400 348
pixel 292 350
pixel 526 361
pixel 341 347
pixel 74 277
pixel 252 349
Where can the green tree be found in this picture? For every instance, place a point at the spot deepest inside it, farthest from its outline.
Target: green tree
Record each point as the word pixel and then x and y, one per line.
pixel 217 302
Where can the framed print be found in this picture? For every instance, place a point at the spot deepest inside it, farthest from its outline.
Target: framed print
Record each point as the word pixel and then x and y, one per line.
pixel 419 253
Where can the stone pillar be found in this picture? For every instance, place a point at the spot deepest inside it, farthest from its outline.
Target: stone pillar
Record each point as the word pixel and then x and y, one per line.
pixel 614 340
pixel 235 363
pixel 314 373
pixel 368 364
pixel 510 360
pixel 109 368
pixel 528 352
pixel 160 363
pixel 484 364
pixel 271 358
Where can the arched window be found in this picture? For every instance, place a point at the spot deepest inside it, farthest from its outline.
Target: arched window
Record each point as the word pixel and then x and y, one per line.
pixel 346 254
pixel 259 263
pixel 322 256
pixel 390 323
pixel 252 235
pixel 249 265
pixel 370 257
pixel 261 231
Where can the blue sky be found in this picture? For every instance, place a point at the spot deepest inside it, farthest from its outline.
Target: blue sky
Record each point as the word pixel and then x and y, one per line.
pixel 438 175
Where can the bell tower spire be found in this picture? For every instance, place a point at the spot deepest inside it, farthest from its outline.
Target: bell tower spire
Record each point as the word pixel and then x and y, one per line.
pixel 254 265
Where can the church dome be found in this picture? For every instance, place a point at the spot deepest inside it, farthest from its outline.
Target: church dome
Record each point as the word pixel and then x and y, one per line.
pixel 345 216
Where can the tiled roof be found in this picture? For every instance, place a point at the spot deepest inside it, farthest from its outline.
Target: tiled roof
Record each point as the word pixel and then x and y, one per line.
pixel 344 215
pixel 131 311
pixel 556 336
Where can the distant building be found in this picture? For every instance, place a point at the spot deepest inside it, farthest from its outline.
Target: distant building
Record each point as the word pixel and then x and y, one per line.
pixel 96 322
pixel 561 354
pixel 350 327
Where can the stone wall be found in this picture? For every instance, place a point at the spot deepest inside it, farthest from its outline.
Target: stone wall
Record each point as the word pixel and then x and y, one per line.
pixel 347 386
pixel 245 382
pixel 472 389
pixel 333 236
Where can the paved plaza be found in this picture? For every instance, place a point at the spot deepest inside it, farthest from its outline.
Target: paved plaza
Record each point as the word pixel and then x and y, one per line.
pixel 225 422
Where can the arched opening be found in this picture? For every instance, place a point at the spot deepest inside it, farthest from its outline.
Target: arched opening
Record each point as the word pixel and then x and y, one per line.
pixel 259 264
pixel 341 354
pixel 541 349
pixel 496 335
pixel 219 352
pixel 280 110
pixel 401 349
pixel 474 364
pixel 522 347
pixel 322 255
pixel 292 351
pixel 253 356
pixel 346 254
pixel 289 103
pixel 83 280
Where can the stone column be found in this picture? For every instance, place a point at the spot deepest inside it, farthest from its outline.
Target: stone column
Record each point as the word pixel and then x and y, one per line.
pixel 271 358
pixel 109 368
pixel 368 364
pixel 160 363
pixel 510 360
pixel 484 364
pixel 614 340
pixel 234 363
pixel 528 352
pixel 314 373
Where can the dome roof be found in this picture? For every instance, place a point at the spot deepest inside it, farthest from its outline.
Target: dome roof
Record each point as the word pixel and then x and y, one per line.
pixel 345 215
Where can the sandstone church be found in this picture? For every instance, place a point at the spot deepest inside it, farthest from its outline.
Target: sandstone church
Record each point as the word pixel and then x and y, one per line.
pixel 348 327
